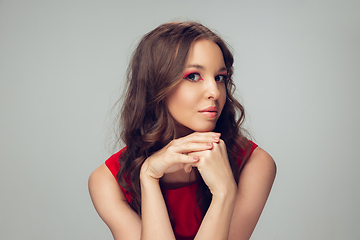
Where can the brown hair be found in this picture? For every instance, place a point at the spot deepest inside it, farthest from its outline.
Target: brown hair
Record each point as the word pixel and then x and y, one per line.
pixel 145 123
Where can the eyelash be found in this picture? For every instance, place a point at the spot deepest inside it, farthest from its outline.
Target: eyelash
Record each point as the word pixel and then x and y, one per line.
pixel 186 76
pixel 221 75
pixel 192 74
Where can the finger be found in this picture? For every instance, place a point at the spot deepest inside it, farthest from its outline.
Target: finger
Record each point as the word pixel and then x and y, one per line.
pixel 192 147
pixel 205 137
pixel 200 137
pixel 183 158
pixel 177 163
pixel 188 168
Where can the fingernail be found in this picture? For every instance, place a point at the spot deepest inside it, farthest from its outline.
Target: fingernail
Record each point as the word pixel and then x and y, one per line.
pixel 216 136
pixel 195 158
pixel 209 144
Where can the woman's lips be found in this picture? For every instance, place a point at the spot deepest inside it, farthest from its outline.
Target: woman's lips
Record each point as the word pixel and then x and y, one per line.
pixel 210 112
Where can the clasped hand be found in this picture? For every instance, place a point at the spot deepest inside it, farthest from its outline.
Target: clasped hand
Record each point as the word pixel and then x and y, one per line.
pixel 205 151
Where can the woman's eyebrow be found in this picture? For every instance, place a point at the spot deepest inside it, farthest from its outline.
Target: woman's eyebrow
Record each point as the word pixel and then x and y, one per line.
pixel 203 68
pixel 196 66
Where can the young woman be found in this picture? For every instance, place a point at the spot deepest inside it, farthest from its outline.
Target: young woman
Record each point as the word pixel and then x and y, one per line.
pixel 187 171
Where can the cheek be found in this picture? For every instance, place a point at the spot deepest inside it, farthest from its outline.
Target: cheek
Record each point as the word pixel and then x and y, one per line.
pixel 222 98
pixel 181 98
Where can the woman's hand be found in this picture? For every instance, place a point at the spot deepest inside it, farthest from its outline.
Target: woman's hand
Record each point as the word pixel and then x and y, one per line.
pixel 179 154
pixel 215 169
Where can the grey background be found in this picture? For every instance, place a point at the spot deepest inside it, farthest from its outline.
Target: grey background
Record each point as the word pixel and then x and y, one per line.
pixel 62 65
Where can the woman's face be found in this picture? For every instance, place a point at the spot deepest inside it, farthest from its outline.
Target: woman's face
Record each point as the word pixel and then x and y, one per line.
pixel 197 101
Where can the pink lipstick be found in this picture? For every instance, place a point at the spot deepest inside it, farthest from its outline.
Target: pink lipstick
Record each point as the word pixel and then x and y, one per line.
pixel 210 112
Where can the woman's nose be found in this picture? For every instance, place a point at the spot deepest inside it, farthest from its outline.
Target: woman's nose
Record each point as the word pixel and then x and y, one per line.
pixel 212 89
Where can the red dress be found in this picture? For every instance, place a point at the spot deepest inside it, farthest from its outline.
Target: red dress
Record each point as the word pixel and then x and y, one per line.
pixel 185 215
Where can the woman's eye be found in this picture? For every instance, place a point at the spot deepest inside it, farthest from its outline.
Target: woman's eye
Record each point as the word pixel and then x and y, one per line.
pixel 193 77
pixel 220 78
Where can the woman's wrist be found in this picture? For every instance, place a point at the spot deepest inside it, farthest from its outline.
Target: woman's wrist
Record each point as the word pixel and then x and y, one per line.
pixel 226 192
pixel 145 177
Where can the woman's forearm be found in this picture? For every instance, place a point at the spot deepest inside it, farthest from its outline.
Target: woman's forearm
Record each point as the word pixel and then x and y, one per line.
pixel 216 222
pixel 154 216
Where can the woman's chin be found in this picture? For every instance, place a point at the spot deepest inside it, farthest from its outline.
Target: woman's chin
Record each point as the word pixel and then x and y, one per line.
pixel 182 130
pixel 204 129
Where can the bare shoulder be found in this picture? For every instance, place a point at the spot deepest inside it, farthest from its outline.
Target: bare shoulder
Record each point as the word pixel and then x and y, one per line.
pixel 101 180
pixel 260 170
pixel 111 204
pixel 261 161
pixel 104 191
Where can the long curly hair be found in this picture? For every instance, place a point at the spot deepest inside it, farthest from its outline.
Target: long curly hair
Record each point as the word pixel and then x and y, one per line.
pixel 145 123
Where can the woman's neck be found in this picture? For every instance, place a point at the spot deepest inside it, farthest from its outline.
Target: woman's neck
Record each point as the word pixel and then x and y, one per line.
pixel 182 131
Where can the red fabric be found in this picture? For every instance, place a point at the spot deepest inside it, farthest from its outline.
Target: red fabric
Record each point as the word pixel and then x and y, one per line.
pixel 114 166
pixel 186 217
